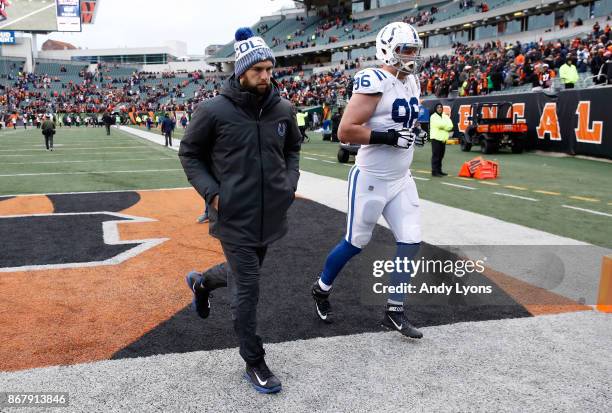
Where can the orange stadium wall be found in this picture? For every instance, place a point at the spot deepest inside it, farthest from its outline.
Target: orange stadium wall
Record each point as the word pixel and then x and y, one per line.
pixel 577 122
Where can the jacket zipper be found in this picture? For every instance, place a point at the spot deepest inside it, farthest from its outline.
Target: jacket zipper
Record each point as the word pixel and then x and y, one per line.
pixel 261 233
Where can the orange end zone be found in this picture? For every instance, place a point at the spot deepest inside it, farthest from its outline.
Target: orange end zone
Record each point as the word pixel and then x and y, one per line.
pixel 89 313
pixel 26 205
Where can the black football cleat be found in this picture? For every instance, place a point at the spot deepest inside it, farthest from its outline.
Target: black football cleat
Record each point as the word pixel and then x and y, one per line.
pixel 262 379
pixel 202 285
pixel 201 295
pixel 395 319
pixel 322 305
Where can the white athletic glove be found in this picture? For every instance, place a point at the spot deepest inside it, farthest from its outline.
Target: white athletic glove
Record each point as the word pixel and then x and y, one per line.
pixel 421 137
pixel 405 138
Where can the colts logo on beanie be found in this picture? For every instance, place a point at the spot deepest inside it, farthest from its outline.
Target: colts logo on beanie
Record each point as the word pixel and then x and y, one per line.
pixel 250 50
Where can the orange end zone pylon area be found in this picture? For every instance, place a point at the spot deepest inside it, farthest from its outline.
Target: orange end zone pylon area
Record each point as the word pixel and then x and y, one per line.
pixel 604 301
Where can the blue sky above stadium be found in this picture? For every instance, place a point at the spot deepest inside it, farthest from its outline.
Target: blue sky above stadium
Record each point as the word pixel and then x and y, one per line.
pixel 134 23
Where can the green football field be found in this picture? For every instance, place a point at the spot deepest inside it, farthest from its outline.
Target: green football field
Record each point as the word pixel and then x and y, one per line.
pixel 564 196
pixel 30 15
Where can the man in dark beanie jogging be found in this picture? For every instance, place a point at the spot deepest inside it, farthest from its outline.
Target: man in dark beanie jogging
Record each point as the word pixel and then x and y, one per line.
pixel 241 153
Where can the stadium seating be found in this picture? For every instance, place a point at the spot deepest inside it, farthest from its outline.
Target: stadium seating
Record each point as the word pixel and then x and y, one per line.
pixel 10 65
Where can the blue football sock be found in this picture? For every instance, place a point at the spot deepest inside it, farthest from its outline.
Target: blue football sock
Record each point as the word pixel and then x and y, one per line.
pixel 337 258
pixel 396 278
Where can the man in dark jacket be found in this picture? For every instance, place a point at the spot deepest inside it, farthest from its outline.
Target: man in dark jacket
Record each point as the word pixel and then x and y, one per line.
pixel 48 130
pixel 241 153
pixel 167 127
pixel 108 121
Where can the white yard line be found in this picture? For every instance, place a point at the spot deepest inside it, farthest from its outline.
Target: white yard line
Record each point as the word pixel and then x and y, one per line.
pixel 516 196
pixel 73 149
pixel 88 160
pixel 458 186
pixel 92 173
pixel 590 211
pixel 91 154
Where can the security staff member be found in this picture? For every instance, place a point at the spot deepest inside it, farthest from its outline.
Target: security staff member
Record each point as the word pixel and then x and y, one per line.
pixel 568 73
pixel 439 125
pixel 301 122
pixel 241 153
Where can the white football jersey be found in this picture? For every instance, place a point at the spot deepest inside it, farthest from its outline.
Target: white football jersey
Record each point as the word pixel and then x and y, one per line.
pixel 397 109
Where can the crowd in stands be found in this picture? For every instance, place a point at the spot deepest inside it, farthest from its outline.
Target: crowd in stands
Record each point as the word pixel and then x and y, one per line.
pixel 318 89
pixel 468 71
pixel 349 26
pixel 424 17
pixel 467 4
pixel 99 91
pixel 480 69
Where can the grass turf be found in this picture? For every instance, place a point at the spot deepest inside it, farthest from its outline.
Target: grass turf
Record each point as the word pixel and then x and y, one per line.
pixel 86 159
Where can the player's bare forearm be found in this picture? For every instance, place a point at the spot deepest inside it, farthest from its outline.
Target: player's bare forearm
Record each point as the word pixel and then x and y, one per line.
pixel 360 109
pixel 358 134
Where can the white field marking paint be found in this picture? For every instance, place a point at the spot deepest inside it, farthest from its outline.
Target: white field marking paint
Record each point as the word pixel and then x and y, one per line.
pixel 97 153
pixel 310 159
pixel 32 143
pixel 111 237
pixel 100 192
pixel 76 145
pixel 149 136
pixel 590 211
pixel 89 160
pixel 28 15
pixel 318 154
pixel 326 161
pixel 92 173
pixel 420 178
pixel 515 196
pixel 458 186
pixel 75 149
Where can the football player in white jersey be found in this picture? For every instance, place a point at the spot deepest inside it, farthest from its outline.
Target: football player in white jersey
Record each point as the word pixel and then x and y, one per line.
pixel 381 116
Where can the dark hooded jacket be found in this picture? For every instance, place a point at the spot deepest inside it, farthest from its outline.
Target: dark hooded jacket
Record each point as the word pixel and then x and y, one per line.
pixel 246 150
